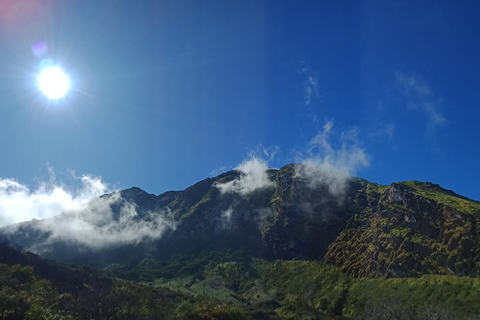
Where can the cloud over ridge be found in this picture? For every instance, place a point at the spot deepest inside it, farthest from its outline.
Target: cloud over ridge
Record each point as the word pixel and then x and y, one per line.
pixel 19 203
pixel 86 216
pixel 253 176
pixel 97 225
pixel 331 165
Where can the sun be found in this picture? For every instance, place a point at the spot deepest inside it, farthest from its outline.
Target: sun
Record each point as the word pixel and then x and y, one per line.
pixel 53 82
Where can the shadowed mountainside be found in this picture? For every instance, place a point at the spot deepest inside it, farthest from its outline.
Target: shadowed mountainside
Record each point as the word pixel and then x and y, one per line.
pixel 405 229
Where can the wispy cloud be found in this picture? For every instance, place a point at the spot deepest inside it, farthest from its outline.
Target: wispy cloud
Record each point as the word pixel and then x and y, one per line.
pixel 387 131
pixel 413 85
pixel 332 163
pixel 267 154
pixel 419 96
pixel 218 170
pixel 310 84
pixel 311 88
pixel 226 218
pixel 253 176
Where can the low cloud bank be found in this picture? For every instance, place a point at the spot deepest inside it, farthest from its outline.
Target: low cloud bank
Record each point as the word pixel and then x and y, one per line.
pixel 253 176
pixel 18 203
pixel 97 225
pixel 81 216
pixel 332 164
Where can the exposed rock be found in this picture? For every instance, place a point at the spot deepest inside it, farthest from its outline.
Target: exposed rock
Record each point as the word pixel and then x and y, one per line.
pixel 406 234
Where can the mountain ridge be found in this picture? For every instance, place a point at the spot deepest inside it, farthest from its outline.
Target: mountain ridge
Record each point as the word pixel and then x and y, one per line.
pixel 290 216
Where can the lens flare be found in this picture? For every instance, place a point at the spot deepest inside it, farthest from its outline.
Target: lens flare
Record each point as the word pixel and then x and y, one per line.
pixel 39 49
pixel 53 82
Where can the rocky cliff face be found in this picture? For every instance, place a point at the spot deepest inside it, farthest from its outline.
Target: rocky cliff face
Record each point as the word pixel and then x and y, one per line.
pixel 404 233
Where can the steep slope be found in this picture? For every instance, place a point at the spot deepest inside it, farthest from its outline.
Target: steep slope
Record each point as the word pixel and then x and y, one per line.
pixel 305 219
pixel 410 229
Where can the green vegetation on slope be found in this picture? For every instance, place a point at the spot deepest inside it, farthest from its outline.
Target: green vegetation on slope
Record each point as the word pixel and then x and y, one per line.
pixel 253 288
pixel 24 295
pixel 371 187
pixel 408 232
pixel 226 285
pixel 441 195
pixel 311 285
pixel 33 288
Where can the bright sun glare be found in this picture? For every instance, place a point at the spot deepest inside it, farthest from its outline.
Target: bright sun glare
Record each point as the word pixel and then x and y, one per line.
pixel 53 82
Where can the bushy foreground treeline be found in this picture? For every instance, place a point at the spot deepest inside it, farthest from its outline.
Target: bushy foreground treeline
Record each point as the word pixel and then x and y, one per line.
pixel 33 288
pixel 226 286
pixel 25 296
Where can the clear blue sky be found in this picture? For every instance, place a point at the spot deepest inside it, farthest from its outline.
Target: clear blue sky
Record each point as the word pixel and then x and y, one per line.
pixel 166 92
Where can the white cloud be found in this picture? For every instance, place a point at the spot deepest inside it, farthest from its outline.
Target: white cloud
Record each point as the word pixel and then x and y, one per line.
pixel 269 155
pixel 253 176
pixel 80 216
pixel 18 203
pixel 96 225
pixel 332 165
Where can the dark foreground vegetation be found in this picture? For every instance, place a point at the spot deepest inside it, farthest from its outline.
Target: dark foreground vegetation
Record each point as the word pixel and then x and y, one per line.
pixel 224 285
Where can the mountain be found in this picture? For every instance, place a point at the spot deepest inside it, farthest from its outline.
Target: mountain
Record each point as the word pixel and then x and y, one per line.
pixel 405 229
pixel 293 243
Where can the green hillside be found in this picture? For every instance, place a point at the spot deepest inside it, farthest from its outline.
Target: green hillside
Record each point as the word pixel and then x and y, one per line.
pixel 308 289
pixel 292 249
pixel 441 195
pixel 33 288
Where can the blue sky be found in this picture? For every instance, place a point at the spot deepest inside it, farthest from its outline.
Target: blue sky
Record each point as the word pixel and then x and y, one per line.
pixel 167 93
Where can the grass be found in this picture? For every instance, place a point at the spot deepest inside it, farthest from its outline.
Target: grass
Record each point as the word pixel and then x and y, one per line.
pixel 232 282
pixel 322 287
pixel 441 195
pixel 370 187
pixel 459 295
